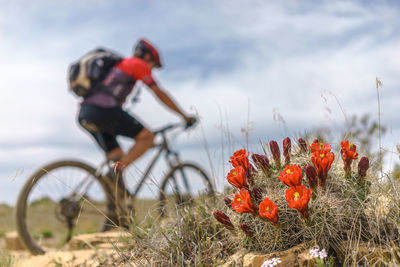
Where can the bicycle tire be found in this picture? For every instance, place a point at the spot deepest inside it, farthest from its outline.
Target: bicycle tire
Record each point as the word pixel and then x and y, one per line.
pixel 178 197
pixel 28 191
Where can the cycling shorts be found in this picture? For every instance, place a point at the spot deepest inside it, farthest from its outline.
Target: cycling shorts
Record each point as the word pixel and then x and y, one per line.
pixel 105 124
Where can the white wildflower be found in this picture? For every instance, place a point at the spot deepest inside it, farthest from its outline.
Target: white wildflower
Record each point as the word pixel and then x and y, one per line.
pixel 272 262
pixel 314 252
pixel 275 261
pixel 266 263
pixel 323 254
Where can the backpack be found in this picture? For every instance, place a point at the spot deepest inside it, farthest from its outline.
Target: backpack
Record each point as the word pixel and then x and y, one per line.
pixel 86 74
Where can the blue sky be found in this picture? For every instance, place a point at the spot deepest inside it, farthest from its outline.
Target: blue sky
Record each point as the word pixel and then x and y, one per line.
pixel 234 63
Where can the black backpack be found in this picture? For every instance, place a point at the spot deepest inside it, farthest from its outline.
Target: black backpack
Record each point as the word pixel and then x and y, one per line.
pixel 86 74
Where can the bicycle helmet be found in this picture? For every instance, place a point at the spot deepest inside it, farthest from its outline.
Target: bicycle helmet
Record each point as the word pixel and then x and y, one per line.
pixel 143 47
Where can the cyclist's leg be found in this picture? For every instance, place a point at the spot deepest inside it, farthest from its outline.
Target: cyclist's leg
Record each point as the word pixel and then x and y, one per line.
pixel 143 141
pixel 97 122
pixel 129 126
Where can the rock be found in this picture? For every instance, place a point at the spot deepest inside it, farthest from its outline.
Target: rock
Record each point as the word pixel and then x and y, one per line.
pixel 13 242
pixel 296 256
pixel 87 257
pixel 236 259
pixel 99 240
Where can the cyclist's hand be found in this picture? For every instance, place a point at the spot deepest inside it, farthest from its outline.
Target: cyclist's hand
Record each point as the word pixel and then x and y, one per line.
pixel 190 121
pixel 118 167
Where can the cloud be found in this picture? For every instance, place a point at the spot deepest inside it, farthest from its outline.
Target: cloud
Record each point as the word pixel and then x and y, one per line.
pixel 235 64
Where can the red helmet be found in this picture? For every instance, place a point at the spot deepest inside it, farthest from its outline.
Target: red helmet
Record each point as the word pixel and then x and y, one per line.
pixel 146 47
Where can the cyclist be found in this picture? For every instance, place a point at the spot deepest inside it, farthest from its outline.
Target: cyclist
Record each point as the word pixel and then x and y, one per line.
pixel 102 115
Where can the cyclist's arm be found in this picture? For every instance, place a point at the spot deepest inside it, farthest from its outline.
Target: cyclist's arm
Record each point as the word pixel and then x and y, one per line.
pixel 167 100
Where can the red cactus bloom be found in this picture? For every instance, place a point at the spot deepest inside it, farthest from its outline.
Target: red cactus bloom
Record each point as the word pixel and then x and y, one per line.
pixel 239 158
pixel 298 197
pixel 322 162
pixel 363 166
pixel 303 145
pixel 242 202
pixel 269 210
pixel 261 161
pixel 287 147
pixel 320 147
pixel 291 175
pixel 348 153
pixel 224 219
pixel 311 175
pixel 237 177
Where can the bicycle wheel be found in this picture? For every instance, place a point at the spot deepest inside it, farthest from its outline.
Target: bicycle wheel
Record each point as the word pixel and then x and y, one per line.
pixel 60 200
pixel 184 184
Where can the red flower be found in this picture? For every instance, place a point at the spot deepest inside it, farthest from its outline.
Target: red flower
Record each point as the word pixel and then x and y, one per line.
pixel 320 147
pixel 322 161
pixel 269 210
pixel 242 202
pixel 237 177
pixel 239 158
pixel 348 154
pixel 298 197
pixel 287 147
pixel 291 175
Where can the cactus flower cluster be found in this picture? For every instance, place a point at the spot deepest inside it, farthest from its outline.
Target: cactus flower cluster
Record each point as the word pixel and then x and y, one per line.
pixel 250 198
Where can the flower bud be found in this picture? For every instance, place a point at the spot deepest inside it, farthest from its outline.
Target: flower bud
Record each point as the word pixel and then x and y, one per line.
pixel 228 202
pixel 261 161
pixel 311 175
pixel 251 171
pixel 256 193
pixel 363 166
pixel 276 153
pixel 287 147
pixel 302 144
pixel 247 230
pixel 224 219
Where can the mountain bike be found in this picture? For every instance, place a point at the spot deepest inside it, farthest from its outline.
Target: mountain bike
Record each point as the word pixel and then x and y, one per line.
pixel 69 197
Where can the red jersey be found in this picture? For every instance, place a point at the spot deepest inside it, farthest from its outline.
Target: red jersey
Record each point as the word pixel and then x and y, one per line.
pixel 120 81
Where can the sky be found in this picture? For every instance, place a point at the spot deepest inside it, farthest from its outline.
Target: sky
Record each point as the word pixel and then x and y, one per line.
pixel 251 70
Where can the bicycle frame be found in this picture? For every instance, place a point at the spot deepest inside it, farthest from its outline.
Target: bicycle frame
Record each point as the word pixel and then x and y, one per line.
pixel 163 146
pixel 82 187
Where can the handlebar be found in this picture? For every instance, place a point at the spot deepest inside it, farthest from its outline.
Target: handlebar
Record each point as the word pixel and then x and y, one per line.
pixel 169 127
pixel 176 125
